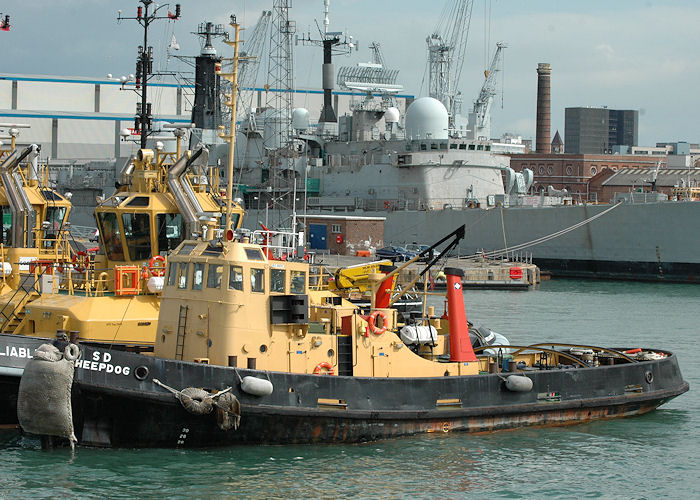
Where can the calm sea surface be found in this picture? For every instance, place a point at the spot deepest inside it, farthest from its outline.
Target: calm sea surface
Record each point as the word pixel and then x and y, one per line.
pixel 652 456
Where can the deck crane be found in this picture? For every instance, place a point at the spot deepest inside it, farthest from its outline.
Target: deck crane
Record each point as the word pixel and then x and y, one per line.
pixel 446 48
pixel 480 117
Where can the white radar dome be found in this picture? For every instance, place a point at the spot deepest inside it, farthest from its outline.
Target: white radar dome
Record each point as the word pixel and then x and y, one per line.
pixel 426 118
pixel 392 115
pixel 300 118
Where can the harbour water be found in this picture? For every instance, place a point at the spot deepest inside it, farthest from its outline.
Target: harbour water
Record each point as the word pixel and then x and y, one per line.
pixel 652 456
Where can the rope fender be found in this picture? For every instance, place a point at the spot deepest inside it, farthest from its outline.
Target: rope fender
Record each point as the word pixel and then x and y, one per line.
pixel 200 402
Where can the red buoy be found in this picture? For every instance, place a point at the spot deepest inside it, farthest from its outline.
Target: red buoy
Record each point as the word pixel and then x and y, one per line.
pixel 460 345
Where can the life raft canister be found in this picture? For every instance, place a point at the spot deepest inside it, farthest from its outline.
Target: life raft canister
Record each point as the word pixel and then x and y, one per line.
pixel 372 322
pixel 326 365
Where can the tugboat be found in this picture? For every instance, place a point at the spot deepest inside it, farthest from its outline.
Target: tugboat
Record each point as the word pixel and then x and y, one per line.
pixel 246 352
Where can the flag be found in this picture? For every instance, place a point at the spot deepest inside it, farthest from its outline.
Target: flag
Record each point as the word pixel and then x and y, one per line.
pixel 173 43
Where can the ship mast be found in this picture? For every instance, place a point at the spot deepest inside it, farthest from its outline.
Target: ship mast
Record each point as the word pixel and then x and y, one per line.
pixel 144 65
pixel 231 103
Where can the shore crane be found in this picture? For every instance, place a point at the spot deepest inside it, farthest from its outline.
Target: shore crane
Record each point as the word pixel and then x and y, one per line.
pixel 447 46
pixel 480 117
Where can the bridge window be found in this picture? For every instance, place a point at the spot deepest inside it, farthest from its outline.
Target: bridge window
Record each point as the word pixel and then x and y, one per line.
pixel 182 271
pixel 235 278
pixel 277 280
pixel 111 237
pixel 198 276
pixel 216 271
pixel 6 217
pixel 137 231
pixel 298 282
pixel 172 274
pixel 170 230
pixel 257 280
pixel 254 254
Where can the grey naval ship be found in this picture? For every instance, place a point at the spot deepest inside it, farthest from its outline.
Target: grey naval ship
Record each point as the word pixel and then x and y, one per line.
pixel 419 163
pixel 427 170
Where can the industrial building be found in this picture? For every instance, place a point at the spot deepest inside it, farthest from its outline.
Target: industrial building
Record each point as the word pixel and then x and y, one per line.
pixel 599 130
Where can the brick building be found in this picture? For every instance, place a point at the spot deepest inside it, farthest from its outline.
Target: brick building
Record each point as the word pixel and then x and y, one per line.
pixel 572 172
pixel 606 184
pixel 343 234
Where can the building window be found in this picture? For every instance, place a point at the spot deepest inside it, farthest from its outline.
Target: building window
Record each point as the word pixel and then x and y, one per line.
pixel 550 170
pixel 541 169
pixel 594 170
pixel 569 170
pixel 336 229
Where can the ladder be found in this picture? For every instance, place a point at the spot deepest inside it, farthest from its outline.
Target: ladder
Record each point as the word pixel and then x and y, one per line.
pixel 181 324
pixel 345 355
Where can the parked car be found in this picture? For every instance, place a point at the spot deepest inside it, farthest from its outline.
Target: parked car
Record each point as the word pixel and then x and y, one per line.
pixel 394 253
pixel 416 249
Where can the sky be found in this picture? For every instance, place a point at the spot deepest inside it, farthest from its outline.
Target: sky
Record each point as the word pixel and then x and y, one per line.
pixel 624 54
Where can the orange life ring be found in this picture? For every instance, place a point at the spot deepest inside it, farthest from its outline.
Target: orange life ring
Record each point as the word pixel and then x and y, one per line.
pixel 372 322
pixel 326 365
pixel 80 261
pixel 387 204
pixel 159 270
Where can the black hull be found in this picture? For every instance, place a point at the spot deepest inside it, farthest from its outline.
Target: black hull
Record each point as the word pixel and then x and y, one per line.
pixel 669 272
pixel 120 410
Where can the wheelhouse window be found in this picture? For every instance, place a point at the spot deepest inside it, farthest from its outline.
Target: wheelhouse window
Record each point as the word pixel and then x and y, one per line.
pixel 187 249
pixel 170 231
pixel 277 280
pixel 6 216
pixel 111 236
pixel 182 271
pixel 198 276
pixel 257 280
pixel 253 254
pixel 172 274
pixel 298 282
pixel 235 278
pixel 137 231
pixel 216 272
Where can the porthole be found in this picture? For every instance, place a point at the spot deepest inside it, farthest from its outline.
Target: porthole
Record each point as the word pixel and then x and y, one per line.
pixel 649 377
pixel 330 353
pixel 263 348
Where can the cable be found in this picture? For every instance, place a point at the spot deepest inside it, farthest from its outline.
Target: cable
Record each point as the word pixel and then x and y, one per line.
pixel 543 239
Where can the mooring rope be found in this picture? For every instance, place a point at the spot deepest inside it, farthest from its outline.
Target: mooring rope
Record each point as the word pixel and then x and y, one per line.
pixel 543 239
